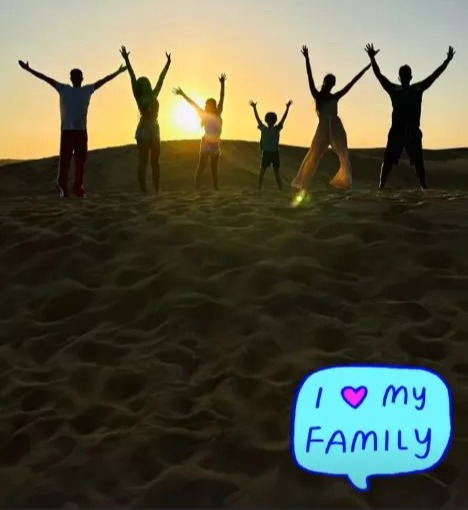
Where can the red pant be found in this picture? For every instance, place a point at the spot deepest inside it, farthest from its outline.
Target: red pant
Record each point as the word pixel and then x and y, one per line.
pixel 72 143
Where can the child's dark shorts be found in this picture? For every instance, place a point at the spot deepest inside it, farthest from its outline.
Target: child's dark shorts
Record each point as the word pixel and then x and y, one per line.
pixel 271 158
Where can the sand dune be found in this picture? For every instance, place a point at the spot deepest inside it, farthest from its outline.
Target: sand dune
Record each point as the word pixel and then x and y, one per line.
pixel 152 346
pixel 4 162
pixel 114 169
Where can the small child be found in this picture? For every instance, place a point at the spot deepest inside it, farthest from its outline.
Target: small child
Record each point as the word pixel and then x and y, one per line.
pixel 212 123
pixel 269 142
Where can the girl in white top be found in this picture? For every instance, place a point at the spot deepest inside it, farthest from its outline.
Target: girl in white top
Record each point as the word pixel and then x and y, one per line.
pixel 330 131
pixel 212 123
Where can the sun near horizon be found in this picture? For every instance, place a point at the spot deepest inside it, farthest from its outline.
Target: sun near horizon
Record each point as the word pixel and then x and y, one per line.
pixel 258 49
pixel 185 120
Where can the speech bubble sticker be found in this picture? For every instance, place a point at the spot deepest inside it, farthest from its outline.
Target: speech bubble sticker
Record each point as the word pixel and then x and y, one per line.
pixel 362 421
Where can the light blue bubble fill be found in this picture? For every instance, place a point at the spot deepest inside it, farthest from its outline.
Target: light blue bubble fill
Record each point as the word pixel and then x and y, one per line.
pixel 402 425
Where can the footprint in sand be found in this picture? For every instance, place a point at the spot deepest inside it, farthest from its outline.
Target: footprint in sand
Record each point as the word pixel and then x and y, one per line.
pixel 66 304
pixel 330 339
pixel 413 312
pixel 434 259
pixel 333 230
pixel 461 371
pixel 123 385
pixel 411 491
pixel 37 397
pixel 433 350
pixel 179 489
pixel 92 419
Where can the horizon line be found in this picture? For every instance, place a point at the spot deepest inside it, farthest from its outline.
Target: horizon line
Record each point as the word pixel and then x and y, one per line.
pixel 19 160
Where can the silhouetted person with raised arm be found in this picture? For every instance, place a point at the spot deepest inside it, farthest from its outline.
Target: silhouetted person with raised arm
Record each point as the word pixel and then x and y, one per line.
pixel 212 123
pixel 330 130
pixel 74 103
pixel 269 142
pixel 406 117
pixel 147 133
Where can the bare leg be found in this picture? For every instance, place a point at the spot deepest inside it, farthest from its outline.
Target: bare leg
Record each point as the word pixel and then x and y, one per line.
pixel 202 161
pixel 155 151
pixel 278 177
pixel 214 170
pixel 143 152
pixel 261 176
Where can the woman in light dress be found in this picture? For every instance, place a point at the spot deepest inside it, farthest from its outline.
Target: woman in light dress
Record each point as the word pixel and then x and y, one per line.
pixel 330 131
pixel 212 123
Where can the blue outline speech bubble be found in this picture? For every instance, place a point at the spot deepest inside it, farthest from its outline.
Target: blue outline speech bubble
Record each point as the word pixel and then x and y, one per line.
pixel 358 469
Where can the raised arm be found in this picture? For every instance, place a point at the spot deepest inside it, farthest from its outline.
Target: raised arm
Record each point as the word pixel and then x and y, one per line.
pixel 425 84
pixel 125 55
pixel 288 105
pixel 179 92
pixel 347 88
pixel 384 81
pixel 257 116
pixel 107 79
pixel 222 80
pixel 159 85
pixel 312 87
pixel 43 77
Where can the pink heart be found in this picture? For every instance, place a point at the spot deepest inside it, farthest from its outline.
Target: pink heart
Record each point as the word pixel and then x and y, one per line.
pixel 354 396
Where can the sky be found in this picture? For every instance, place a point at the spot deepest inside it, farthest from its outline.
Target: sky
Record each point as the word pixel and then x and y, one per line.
pixel 256 43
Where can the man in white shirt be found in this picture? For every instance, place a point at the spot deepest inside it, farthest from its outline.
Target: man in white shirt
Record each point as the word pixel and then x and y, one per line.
pixel 74 103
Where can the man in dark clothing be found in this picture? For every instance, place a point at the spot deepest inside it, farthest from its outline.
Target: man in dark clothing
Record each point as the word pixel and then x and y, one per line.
pixel 406 101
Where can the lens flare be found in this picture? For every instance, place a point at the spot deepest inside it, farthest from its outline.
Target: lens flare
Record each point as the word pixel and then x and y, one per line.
pixel 299 198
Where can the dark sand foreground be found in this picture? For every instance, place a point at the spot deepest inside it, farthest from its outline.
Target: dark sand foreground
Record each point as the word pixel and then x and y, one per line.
pixel 152 346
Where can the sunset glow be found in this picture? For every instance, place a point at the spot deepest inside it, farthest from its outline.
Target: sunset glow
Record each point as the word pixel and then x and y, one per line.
pixel 186 119
pixel 258 48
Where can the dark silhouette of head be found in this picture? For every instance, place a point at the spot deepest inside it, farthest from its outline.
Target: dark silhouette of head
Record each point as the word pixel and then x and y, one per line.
pixel 328 82
pixel 144 93
pixel 211 106
pixel 143 87
pixel 271 118
pixel 405 75
pixel 76 77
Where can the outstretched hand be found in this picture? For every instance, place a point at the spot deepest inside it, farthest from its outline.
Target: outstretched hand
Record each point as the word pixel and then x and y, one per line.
pixel 253 104
pixel 450 53
pixel 24 65
pixel 305 51
pixel 289 103
pixel 124 53
pixel 371 51
pixel 122 69
pixel 223 78
pixel 168 56
pixel 177 91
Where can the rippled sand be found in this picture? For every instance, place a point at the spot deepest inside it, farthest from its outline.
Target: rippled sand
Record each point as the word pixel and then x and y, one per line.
pixel 152 346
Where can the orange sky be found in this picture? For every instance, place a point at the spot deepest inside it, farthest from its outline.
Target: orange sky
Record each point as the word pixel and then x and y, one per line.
pixel 256 44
